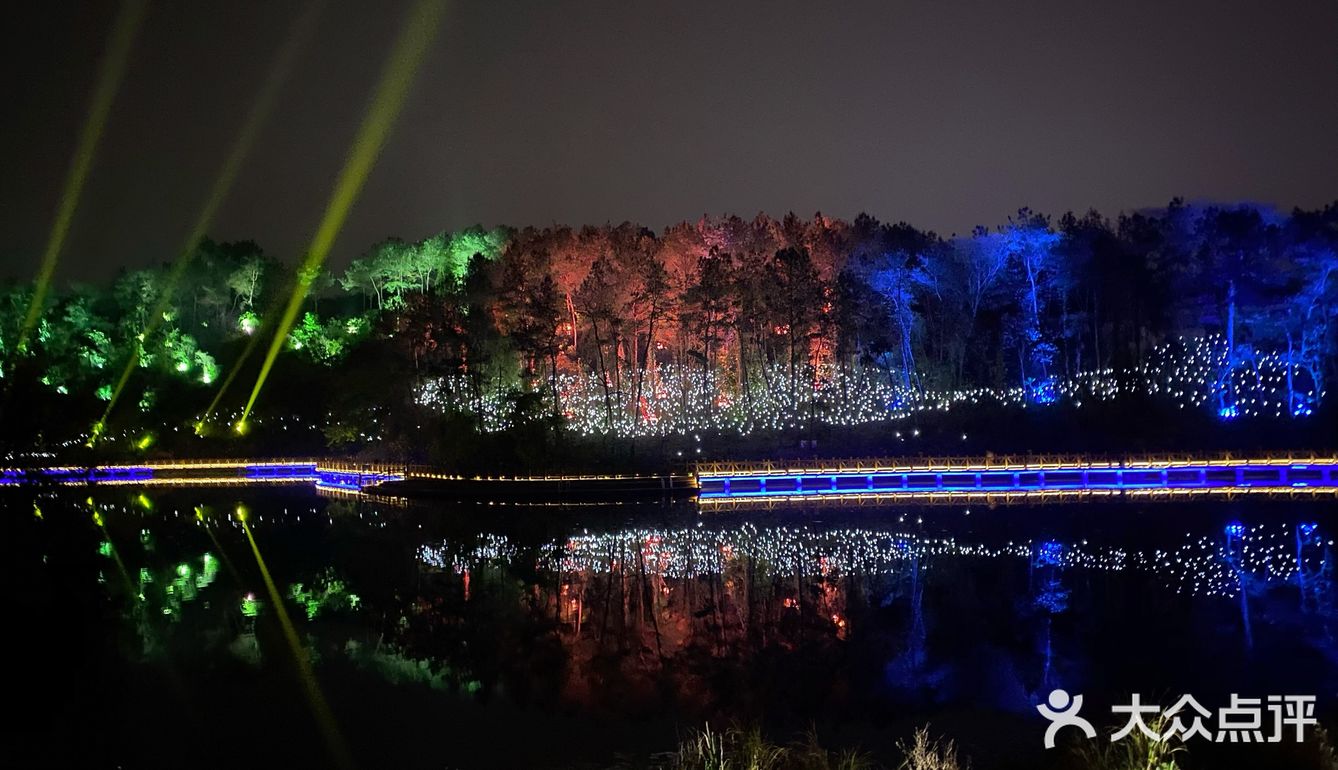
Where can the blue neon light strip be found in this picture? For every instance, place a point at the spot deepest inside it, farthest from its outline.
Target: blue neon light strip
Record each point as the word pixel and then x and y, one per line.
pixel 296 472
pixel 121 473
pixel 986 480
pixel 353 480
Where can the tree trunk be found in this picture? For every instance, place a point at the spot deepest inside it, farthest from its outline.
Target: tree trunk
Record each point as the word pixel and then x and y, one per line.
pixel 603 376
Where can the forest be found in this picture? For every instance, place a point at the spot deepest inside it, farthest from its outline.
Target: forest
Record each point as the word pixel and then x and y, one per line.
pixel 727 322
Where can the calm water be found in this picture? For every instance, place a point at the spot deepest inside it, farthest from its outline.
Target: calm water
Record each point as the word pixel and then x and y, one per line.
pixel 475 635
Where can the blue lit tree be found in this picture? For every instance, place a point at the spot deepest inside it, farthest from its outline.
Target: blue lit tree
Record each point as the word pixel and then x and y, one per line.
pixel 891 260
pixel 1230 258
pixel 1029 245
pixel 1312 303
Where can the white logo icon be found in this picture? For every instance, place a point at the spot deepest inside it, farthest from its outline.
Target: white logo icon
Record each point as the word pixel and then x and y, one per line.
pixel 1063 712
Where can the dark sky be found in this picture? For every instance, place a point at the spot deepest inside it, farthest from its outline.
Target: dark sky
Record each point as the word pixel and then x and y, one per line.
pixel 944 113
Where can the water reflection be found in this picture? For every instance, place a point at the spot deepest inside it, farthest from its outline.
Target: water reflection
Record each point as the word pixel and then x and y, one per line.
pixel 670 594
pixel 710 618
pixel 1208 565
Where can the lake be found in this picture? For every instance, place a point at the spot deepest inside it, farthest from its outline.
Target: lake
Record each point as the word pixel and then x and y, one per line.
pixel 504 635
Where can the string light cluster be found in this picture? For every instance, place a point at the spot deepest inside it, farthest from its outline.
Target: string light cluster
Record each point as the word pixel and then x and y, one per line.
pixel 1194 373
pixel 1202 372
pixel 676 400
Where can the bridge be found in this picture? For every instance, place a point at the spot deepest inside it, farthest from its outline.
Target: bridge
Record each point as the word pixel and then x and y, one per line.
pixel 324 474
pixel 1031 478
pixel 352 477
pixel 1013 479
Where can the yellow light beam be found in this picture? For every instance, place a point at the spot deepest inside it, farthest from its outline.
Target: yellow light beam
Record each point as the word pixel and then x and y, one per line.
pixel 396 78
pixel 130 588
pixel 324 717
pixel 109 80
pixel 218 546
pixel 241 147
pixel 227 381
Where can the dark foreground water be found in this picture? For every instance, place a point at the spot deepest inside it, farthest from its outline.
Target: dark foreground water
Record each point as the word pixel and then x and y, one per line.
pixel 476 635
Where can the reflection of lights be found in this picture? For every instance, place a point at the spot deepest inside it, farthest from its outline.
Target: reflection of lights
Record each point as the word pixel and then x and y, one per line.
pixel 1200 566
pixel 1235 529
pixel 1049 553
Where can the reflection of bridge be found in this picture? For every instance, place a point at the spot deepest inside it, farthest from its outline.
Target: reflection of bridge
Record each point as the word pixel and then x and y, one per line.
pixel 185 473
pixel 1001 479
pixel 1009 479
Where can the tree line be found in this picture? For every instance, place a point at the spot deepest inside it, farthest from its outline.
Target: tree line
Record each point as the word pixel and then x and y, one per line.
pixel 760 302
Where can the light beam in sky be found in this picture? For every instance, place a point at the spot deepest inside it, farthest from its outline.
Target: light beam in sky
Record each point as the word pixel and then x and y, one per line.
pixel 396 77
pixel 241 147
pixel 128 22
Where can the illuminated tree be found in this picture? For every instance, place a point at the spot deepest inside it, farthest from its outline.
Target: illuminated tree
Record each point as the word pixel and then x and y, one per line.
pixel 135 293
pixel 461 247
pixel 361 276
pixel 794 305
pixel 648 305
pixel 891 261
pixel 754 323
pixel 1311 304
pixel 709 306
pixel 598 302
pixel 529 311
pixel 326 342
pixel 246 281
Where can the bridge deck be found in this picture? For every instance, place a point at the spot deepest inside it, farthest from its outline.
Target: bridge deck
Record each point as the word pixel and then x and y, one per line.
pixel 934 480
pixel 1017 478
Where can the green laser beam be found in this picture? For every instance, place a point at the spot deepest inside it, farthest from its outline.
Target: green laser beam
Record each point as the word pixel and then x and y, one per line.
pixel 122 37
pixel 388 98
pixel 241 147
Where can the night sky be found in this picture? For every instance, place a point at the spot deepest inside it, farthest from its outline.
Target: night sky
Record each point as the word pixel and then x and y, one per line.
pixel 943 113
